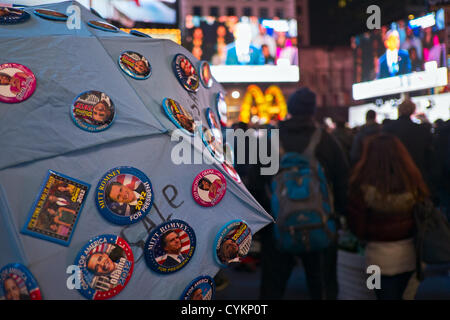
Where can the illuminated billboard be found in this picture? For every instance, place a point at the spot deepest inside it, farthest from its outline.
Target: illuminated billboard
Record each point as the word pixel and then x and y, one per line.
pixel 407 55
pixel 245 49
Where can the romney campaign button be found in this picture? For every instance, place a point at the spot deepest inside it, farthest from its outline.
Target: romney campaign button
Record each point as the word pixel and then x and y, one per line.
pixel 124 195
pixel 170 247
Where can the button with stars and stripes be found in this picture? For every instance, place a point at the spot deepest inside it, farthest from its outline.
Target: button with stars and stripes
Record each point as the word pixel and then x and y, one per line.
pixel 170 246
pixel 124 195
pixel 106 264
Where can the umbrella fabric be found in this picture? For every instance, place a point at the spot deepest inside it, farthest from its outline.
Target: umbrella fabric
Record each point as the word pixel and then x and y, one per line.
pixel 38 135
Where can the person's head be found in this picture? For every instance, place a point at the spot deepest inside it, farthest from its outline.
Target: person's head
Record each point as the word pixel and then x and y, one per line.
pixel 392 40
pixel 141 67
pixel 265 50
pixel 186 67
pixel 197 294
pixel 302 103
pixel 387 165
pixel 228 250
pixel 185 121
pixel 5 79
pixel 12 291
pixel 221 31
pixel 204 184
pixel 118 192
pixel 406 108
pixel 100 263
pixel 170 242
pixel 52 198
pixel 371 115
pixel 101 111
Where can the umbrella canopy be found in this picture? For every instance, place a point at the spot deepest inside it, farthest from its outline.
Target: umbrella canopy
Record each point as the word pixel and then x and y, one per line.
pixel 38 135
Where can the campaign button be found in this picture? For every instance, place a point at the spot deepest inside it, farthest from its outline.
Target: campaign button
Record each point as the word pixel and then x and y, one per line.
pixel 17 83
pixel 18 283
pixel 232 243
pixel 170 247
pixel 106 264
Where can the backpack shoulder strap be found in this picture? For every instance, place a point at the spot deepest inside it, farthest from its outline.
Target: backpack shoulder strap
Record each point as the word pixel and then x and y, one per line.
pixel 313 142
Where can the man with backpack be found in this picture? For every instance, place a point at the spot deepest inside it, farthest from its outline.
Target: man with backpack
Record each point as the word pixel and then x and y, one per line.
pixel 308 190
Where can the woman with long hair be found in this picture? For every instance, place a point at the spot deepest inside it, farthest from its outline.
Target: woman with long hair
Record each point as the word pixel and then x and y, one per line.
pixel 385 185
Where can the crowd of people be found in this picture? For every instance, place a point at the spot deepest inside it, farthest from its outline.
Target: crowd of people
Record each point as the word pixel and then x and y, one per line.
pixel 377 173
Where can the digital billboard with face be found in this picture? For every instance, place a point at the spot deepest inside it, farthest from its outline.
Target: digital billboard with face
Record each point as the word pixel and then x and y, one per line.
pixel 397 51
pixel 245 49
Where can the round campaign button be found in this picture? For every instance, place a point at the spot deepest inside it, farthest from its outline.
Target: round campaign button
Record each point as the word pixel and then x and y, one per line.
pixel 213 124
pixel 201 288
pixel 228 151
pixel 124 195
pixel 209 187
pixel 170 247
pixel 17 83
pixel 232 243
pixel 139 34
pixel 50 14
pixel 185 72
pixel 228 167
pixel 214 145
pixel 18 283
pixel 106 264
pixel 102 26
pixel 93 111
pixel 12 15
pixel 221 106
pixel 135 65
pixel 182 118
pixel 205 74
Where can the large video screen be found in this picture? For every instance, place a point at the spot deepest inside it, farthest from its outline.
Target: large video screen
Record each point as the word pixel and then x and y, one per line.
pixel 245 49
pixel 125 13
pixel 136 13
pixel 402 48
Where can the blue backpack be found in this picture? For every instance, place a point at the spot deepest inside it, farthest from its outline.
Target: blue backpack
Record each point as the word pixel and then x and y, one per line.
pixel 302 204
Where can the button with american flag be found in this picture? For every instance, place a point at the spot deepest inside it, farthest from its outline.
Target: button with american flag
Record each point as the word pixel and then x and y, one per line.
pixel 124 195
pixel 18 283
pixel 201 288
pixel 170 246
pixel 232 243
pixel 106 263
pixel 185 73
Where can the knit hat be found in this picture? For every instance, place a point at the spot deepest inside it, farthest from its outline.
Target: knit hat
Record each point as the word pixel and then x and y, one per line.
pixel 302 102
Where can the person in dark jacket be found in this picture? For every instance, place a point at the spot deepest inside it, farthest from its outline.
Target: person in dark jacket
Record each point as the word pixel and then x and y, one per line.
pixel 441 166
pixel 320 267
pixel 417 138
pixel 371 127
